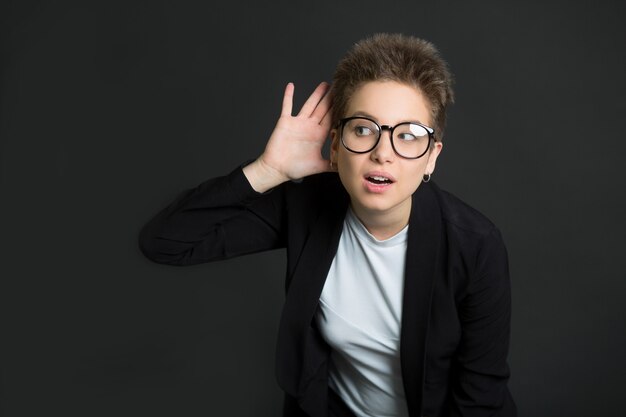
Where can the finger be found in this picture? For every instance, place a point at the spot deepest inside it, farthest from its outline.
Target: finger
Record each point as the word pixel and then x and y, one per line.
pixel 288 100
pixel 323 106
pixel 327 118
pixel 311 103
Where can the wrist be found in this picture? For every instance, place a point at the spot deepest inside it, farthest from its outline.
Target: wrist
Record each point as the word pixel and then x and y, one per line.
pixel 263 177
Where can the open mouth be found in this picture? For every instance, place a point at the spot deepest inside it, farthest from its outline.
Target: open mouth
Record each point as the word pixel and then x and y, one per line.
pixel 378 180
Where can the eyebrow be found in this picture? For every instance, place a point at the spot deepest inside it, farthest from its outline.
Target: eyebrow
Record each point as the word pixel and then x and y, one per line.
pixel 366 114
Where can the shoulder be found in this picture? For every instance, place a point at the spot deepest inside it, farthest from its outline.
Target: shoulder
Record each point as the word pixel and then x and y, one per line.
pixel 321 188
pixel 467 229
pixel 473 241
pixel 457 214
pixel 326 179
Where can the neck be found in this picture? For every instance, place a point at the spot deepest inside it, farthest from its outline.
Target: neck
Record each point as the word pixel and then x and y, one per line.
pixel 383 225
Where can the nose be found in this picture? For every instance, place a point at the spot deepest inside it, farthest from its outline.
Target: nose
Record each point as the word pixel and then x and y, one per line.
pixel 383 152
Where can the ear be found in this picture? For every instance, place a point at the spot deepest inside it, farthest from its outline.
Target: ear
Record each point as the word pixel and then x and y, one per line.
pixel 334 145
pixel 432 157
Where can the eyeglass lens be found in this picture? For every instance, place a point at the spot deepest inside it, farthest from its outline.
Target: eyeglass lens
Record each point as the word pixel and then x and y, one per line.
pixel 409 140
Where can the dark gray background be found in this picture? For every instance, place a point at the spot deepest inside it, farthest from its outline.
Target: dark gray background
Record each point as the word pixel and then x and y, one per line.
pixel 110 109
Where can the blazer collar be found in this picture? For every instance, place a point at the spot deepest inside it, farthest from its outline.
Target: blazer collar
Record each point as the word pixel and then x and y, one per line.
pixel 421 272
pixel 297 360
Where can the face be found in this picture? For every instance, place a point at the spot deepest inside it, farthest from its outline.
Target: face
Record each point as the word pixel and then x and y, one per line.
pixel 388 103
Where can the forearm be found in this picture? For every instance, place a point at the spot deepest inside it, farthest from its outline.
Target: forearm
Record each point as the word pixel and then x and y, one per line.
pixel 219 218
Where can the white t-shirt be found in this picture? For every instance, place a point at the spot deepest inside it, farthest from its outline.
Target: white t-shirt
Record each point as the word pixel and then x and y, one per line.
pixel 360 317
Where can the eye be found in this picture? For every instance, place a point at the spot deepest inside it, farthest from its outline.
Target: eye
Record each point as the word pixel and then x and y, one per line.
pixel 363 131
pixel 410 132
pixel 407 137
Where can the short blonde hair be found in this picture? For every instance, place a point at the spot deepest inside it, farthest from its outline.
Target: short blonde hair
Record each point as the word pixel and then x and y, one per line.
pixel 395 57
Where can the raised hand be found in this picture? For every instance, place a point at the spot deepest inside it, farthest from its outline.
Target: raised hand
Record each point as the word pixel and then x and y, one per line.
pixel 294 149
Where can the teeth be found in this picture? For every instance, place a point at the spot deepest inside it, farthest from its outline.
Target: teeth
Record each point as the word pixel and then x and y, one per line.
pixel 377 178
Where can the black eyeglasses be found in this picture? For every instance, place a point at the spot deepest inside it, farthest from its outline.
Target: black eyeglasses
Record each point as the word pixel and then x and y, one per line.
pixel 409 140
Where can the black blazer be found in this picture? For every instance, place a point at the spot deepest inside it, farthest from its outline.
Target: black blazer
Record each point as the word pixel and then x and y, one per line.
pixel 456 304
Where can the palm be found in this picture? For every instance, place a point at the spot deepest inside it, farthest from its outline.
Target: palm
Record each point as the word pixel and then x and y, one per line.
pixel 294 149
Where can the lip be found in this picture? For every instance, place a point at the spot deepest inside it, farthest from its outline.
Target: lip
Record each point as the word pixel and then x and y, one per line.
pixel 377 188
pixel 379 174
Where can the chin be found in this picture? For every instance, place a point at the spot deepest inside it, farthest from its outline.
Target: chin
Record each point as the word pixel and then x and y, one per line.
pixel 376 204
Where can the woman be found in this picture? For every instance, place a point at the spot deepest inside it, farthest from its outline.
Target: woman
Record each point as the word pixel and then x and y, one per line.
pixel 398 295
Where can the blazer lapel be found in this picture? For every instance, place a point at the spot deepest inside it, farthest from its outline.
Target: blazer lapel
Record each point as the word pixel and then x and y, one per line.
pixel 421 271
pixel 300 349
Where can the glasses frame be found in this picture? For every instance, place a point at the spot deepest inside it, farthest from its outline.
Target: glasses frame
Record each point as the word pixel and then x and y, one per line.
pixel 381 128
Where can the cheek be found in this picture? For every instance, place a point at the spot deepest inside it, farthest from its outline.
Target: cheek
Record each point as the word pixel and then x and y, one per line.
pixel 344 167
pixel 348 167
pixel 414 174
pixel 344 158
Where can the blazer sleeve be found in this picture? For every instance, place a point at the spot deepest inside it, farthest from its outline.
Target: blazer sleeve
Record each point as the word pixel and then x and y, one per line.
pixel 221 218
pixel 480 388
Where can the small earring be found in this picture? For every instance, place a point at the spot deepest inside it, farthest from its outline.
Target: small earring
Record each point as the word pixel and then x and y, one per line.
pixel 332 168
pixel 426 178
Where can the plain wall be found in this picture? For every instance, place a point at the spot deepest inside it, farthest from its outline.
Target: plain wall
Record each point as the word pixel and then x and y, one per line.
pixel 110 109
